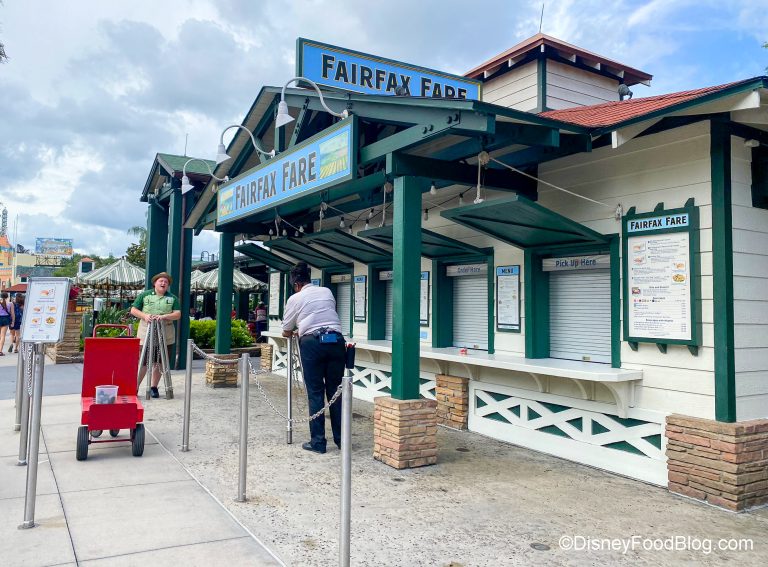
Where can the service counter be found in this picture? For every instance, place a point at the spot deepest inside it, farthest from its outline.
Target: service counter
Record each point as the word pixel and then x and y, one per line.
pixel 372 375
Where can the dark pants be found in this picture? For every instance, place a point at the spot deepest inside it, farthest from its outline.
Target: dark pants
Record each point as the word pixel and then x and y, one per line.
pixel 323 365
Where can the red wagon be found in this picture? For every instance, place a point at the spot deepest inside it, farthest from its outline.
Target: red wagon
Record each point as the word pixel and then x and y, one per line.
pixel 110 361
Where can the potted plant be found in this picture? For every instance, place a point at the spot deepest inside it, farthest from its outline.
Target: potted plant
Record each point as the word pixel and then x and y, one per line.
pixel 74 293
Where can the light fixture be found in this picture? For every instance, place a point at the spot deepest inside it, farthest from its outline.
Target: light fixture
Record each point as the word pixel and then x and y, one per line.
pixel 271 232
pixel 461 199
pixel 186 186
pixel 751 143
pixel 426 214
pixel 301 229
pixel 284 118
pixel 370 214
pixel 285 232
pixel 367 226
pixel 433 189
pixel 221 153
pixel 341 223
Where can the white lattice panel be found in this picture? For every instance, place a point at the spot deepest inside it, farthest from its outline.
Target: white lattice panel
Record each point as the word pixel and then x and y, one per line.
pixel 575 434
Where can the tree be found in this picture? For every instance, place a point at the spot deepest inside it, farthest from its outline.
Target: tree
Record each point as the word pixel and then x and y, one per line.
pixel 68 268
pixel 136 253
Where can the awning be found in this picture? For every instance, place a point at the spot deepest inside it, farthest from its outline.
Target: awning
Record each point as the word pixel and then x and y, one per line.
pixel 302 251
pixel 523 223
pixel 433 245
pixel 349 245
pixel 265 256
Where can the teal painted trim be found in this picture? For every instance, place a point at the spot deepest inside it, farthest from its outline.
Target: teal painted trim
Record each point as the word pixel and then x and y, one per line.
pixel 224 300
pixel 175 221
pixel 377 301
pixel 442 306
pixel 722 271
pixel 406 287
pixel 157 241
pixel 536 298
pixel 491 303
pixel 541 74
pixel 184 291
pixel 760 177
pixel 298 127
pixel 615 302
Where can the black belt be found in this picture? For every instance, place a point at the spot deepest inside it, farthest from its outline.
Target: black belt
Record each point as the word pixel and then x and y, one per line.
pixel 321 331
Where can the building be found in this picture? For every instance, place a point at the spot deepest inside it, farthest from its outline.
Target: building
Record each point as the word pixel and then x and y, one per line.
pixel 585 264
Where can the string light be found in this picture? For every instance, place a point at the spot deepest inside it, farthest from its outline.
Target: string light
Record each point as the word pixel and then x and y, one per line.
pixel 341 224
pixel 426 214
pixel 285 232
pixel 433 189
pixel 461 199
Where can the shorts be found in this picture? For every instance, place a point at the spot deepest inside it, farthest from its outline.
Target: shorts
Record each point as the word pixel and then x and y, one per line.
pixel 5 320
pixel 169 354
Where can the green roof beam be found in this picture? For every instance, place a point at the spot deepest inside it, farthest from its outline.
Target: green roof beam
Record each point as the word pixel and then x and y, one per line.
pixel 299 124
pixel 399 164
pixel 569 144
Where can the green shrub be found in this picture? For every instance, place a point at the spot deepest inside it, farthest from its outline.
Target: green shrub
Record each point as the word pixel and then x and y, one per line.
pixel 203 333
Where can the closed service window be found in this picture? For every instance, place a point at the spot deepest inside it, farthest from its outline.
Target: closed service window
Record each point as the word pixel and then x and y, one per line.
pixel 470 305
pixel 343 283
pixel 579 307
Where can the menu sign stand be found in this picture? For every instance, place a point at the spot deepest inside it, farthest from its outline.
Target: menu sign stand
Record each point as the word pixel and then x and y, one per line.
pixel 661 283
pixel 43 323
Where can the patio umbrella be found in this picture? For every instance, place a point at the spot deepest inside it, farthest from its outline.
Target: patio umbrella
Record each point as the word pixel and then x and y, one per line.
pixel 240 281
pixel 194 277
pixel 119 274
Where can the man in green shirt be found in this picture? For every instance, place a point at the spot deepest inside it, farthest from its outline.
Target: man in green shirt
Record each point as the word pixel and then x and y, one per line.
pixel 161 305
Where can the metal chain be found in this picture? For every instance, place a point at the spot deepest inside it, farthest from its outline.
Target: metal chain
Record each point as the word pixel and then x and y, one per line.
pixel 207 356
pixel 315 415
pixel 26 353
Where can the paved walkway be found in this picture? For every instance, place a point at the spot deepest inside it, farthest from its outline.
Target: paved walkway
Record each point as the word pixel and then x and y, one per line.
pixel 113 509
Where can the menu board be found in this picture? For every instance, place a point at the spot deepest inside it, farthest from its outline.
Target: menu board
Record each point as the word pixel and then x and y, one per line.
pixel 360 291
pixel 659 284
pixel 661 289
pixel 274 294
pixel 424 299
pixel 45 310
pixel 508 298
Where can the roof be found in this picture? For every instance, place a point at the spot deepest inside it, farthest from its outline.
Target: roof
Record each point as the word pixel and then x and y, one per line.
pixel 18 288
pixel 516 54
pixel 613 113
pixel 174 163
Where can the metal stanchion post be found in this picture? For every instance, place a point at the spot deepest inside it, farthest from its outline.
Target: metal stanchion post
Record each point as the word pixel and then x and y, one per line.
pixel 289 425
pixel 346 469
pixel 187 399
pixel 34 441
pixel 346 459
pixel 24 420
pixel 19 388
pixel 244 385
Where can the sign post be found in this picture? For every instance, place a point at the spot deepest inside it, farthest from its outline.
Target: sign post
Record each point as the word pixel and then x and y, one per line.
pixel 43 322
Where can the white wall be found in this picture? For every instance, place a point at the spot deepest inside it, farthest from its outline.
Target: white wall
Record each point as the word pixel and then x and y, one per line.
pixel 750 290
pixel 668 167
pixel 569 86
pixel 518 88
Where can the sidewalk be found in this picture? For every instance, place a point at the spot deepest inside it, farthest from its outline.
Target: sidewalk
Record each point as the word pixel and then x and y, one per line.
pixel 484 503
pixel 113 509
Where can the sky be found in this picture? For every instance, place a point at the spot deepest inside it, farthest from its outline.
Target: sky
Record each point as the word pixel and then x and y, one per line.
pixel 94 89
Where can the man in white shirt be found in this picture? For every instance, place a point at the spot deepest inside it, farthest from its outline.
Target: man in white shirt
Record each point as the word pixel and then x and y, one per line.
pixel 312 309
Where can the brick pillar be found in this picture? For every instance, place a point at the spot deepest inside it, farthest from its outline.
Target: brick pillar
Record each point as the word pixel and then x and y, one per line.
pixel 452 393
pixel 68 350
pixel 724 464
pixel 221 375
pixel 404 432
pixel 266 357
